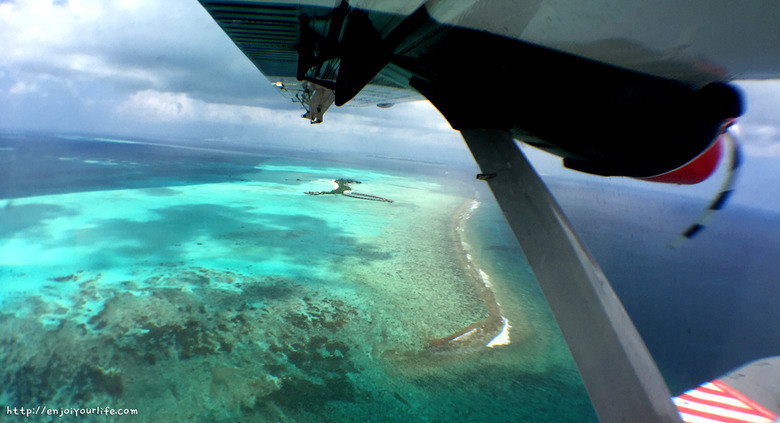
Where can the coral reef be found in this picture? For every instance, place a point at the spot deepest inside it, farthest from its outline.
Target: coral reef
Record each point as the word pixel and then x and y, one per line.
pixel 218 344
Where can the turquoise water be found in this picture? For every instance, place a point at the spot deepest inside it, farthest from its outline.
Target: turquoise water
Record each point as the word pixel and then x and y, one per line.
pixel 202 284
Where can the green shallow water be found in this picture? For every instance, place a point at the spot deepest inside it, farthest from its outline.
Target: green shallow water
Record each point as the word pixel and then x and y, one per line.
pixel 242 299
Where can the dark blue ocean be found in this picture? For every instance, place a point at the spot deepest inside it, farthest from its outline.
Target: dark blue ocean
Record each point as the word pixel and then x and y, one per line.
pixel 703 309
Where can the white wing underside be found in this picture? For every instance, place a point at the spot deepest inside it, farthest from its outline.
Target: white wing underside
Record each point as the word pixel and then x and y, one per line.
pixel 696 41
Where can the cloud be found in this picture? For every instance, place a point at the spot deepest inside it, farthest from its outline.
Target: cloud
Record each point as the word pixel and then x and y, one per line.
pixel 180 107
pixel 144 44
pixel 760 140
pixel 173 107
pixel 423 133
pixel 22 88
pixel 759 129
pixel 139 65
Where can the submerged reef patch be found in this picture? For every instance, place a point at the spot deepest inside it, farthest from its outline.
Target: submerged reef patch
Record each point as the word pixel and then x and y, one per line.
pixel 219 343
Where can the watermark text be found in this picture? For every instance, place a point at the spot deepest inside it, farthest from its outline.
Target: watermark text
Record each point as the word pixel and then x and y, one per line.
pixel 70 411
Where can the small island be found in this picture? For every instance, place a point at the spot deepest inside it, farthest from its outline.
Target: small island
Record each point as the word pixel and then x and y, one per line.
pixel 342 186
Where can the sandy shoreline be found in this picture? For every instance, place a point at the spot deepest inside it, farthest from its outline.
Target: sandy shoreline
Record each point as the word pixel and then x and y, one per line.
pixel 489 332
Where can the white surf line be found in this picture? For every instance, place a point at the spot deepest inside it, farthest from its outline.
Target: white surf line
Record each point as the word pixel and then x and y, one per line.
pixel 464 336
pixel 503 337
pixel 485 278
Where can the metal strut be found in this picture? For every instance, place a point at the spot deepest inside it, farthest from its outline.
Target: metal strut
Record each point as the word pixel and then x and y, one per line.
pixel 619 373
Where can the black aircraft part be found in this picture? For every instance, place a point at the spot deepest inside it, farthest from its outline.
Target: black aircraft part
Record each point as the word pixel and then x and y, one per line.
pixel 601 119
pixel 351 38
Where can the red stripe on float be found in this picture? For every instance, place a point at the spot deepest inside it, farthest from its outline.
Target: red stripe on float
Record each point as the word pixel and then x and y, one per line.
pixel 715 417
pixel 711 391
pixel 744 409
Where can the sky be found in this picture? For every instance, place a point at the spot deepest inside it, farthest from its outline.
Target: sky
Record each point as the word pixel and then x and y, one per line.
pixel 150 68
pixel 153 68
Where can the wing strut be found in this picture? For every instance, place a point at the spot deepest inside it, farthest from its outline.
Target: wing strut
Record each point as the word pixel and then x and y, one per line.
pixel 621 377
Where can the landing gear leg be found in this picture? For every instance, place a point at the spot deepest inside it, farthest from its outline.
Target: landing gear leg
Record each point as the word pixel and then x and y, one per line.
pixel 621 377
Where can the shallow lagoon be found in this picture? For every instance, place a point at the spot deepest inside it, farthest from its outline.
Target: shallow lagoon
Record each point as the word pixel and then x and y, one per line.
pixel 202 284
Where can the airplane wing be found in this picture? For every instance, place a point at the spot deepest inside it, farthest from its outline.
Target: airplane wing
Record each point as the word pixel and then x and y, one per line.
pixel 630 88
pixel 650 98
pixel 271 34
